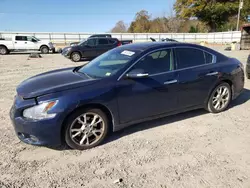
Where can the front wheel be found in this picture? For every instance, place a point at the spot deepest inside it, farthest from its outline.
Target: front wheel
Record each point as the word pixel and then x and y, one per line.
pixel 86 129
pixel 75 56
pixel 44 49
pixel 219 98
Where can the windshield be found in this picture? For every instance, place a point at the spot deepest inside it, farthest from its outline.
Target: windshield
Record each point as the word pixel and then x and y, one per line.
pixel 35 38
pixel 109 63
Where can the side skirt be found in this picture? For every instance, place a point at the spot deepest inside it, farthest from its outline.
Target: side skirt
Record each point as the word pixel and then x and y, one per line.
pixel 122 126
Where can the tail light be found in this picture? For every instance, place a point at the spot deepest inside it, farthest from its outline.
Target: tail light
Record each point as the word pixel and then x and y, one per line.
pixel 119 43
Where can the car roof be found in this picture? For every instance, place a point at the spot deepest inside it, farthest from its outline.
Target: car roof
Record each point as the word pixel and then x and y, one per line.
pixel 142 46
pixel 147 46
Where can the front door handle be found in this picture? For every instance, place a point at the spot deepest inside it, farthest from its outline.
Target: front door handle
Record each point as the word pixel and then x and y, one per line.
pixel 212 73
pixel 170 82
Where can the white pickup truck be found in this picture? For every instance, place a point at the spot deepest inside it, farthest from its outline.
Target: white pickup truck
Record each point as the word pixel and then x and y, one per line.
pixel 25 43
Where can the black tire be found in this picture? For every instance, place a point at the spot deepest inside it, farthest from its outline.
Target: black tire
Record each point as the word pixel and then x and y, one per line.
pixel 210 107
pixel 75 56
pixel 44 50
pixel 70 123
pixel 248 76
pixel 3 50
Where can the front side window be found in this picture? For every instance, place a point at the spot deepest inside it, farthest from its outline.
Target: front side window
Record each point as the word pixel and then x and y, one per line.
pixel 30 39
pixel 190 57
pixel 91 42
pixel 156 62
pixel 35 38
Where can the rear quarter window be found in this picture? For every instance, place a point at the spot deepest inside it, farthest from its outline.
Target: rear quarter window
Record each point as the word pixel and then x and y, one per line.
pixel 112 41
pixel 208 58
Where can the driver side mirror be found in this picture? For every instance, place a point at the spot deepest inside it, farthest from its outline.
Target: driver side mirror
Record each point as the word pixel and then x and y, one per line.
pixel 137 73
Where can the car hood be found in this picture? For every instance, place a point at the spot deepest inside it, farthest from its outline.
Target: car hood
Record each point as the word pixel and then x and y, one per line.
pixel 44 41
pixel 52 81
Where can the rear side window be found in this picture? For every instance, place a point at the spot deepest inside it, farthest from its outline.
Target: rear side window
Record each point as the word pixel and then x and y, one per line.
pixel 103 42
pixel 21 38
pixel 189 57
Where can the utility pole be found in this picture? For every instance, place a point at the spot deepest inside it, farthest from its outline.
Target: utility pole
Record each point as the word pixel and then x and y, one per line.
pixel 238 20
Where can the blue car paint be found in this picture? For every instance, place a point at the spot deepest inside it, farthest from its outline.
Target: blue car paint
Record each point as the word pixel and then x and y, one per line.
pixel 126 100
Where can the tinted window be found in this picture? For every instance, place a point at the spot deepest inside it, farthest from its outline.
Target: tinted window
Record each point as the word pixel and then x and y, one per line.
pixel 209 57
pixel 112 41
pixel 91 42
pixel 189 57
pixel 156 62
pixel 103 41
pixel 22 38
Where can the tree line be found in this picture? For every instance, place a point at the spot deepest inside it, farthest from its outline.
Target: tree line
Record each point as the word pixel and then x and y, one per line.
pixel 190 16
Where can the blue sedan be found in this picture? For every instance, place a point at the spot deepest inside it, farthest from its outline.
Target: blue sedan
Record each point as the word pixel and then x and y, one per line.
pixel 126 85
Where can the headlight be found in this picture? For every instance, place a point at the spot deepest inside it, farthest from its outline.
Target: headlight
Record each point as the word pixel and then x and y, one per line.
pixel 40 111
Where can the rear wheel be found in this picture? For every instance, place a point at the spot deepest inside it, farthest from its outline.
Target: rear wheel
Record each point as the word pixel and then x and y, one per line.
pixel 86 129
pixel 75 56
pixel 219 98
pixel 44 49
pixel 3 50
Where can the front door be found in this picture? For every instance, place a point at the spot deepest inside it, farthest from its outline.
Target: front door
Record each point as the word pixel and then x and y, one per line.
pixel 32 44
pixel 144 97
pixel 197 75
pixel 90 48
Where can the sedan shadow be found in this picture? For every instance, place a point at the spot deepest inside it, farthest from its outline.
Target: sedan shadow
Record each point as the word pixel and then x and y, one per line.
pixel 244 97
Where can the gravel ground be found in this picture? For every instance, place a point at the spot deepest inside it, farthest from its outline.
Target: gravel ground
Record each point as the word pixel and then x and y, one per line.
pixel 194 149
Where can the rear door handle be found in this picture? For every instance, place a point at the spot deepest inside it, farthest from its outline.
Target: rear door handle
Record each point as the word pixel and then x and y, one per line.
pixel 170 82
pixel 212 73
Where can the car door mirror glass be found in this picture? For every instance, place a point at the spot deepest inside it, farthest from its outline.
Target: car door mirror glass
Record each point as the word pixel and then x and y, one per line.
pixel 137 73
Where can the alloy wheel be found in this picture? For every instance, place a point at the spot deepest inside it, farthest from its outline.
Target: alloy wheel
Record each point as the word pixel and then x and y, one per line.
pixel 221 98
pixel 76 57
pixel 87 129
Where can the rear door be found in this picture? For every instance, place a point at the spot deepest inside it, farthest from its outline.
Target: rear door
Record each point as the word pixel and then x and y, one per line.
pixel 20 43
pixel 198 72
pixel 103 45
